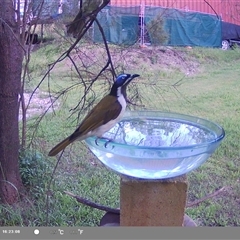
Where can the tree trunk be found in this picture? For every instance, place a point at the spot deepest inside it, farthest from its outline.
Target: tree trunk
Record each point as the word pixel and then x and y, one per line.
pixel 11 57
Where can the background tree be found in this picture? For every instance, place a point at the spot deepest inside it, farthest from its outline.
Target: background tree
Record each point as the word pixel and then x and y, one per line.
pixel 156 31
pixel 11 52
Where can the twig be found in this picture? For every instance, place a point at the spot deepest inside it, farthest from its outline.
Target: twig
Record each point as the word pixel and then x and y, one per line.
pixel 106 46
pixel 92 204
pixel 117 211
pixel 212 8
pixel 48 188
pixel 211 195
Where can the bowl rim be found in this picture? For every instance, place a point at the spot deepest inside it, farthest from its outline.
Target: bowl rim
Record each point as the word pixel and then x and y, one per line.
pixel 168 115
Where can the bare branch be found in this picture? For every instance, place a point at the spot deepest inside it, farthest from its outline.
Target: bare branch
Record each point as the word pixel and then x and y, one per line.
pixel 92 204
pixel 117 210
pixel 106 46
pixel 211 8
pixel 48 187
pixel 211 195
pixel 14 35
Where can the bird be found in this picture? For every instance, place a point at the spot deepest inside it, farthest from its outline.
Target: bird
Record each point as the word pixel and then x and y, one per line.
pixel 103 116
pixel 88 10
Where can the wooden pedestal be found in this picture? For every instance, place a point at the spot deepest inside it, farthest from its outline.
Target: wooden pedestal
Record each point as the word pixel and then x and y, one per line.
pixel 153 203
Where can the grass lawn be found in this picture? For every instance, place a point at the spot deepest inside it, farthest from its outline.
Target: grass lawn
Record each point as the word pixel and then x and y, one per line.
pixel 198 81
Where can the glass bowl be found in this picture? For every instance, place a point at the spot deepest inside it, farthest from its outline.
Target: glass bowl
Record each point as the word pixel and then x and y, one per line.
pixel 157 145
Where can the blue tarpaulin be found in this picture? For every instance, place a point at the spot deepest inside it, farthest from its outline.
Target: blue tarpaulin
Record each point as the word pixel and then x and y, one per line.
pixel 121 26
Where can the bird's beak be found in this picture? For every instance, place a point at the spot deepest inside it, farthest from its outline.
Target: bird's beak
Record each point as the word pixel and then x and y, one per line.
pixel 131 78
pixel 135 75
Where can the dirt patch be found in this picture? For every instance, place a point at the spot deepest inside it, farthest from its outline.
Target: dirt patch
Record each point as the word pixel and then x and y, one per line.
pixel 152 58
pixel 165 58
pixel 40 102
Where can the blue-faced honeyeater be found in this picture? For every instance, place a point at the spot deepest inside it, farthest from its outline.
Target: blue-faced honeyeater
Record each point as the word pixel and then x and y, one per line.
pixel 103 116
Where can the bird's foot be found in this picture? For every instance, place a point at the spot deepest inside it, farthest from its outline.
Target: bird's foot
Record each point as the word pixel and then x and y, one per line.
pixel 107 142
pixel 104 138
pixel 140 141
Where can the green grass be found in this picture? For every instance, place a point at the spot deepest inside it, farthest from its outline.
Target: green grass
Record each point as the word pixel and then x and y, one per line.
pixel 201 82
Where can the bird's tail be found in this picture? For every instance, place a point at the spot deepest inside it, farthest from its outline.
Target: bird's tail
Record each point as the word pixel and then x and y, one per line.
pixel 59 147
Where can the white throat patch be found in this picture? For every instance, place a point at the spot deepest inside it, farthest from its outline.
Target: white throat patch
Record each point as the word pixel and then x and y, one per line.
pixel 119 93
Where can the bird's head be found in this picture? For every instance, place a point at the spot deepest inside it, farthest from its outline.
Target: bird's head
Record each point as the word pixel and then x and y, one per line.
pixel 120 85
pixel 122 79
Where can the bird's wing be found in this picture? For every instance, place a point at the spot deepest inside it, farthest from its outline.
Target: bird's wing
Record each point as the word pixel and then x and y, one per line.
pixel 106 110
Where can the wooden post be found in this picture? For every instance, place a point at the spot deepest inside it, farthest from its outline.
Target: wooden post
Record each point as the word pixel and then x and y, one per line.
pixel 153 203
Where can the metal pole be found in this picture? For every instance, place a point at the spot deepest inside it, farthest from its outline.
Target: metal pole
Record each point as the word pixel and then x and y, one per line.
pixel 142 11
